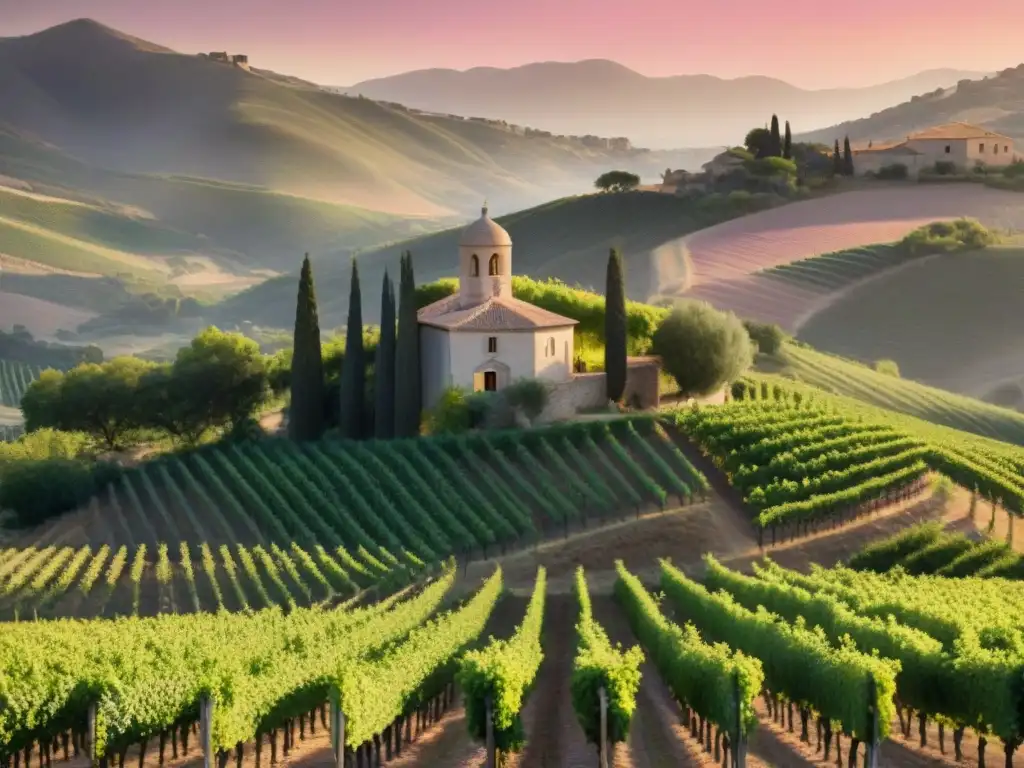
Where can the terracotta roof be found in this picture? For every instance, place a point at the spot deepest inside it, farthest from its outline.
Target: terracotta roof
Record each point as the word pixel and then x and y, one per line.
pixel 495 314
pixel 956 131
pixel 891 148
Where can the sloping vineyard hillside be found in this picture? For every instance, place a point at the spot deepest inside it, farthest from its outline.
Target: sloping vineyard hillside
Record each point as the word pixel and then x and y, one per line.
pixel 15 378
pixel 800 463
pixel 273 523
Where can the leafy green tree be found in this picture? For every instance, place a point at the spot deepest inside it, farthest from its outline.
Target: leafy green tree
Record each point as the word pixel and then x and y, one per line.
pixel 776 146
pixel 226 378
pixel 306 412
pixel 847 157
pixel 408 392
pixel 384 366
pixel 759 142
pixel 168 404
pixel 702 348
pixel 451 414
pixel 837 161
pixel 787 143
pixel 353 371
pixel 615 327
pixel 617 181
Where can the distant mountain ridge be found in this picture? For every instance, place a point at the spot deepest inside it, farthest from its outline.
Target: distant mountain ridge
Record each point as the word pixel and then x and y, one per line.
pixel 658 112
pixel 118 102
pixel 995 103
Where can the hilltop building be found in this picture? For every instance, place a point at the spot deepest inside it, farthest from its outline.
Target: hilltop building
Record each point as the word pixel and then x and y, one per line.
pixel 962 144
pixel 482 338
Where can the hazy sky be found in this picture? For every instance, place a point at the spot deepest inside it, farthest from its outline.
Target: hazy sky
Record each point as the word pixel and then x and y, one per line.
pixel 340 42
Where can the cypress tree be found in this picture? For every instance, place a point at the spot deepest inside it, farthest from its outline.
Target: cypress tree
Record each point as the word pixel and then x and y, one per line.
pixel 306 412
pixel 847 157
pixel 353 371
pixel 408 394
pixel 776 138
pixel 837 161
pixel 384 372
pixel 615 327
pixel 787 144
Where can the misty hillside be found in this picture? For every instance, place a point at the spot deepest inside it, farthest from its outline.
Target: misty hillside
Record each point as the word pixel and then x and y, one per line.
pixel 678 111
pixel 996 103
pixel 133 106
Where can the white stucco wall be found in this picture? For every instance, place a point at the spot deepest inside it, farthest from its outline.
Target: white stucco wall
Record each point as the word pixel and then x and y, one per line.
pixel 434 365
pixel 556 367
pixel 935 150
pixel 989 155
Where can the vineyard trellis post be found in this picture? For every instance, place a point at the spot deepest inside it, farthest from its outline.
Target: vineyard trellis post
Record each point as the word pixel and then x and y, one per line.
pixel 337 729
pixel 205 729
pixel 90 734
pixel 602 743
pixel 872 744
pixel 489 725
pixel 739 744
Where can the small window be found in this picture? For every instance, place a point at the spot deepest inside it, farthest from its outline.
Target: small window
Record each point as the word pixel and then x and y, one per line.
pixel 981 147
pixel 995 149
pixel 492 344
pixel 549 351
pixel 1006 149
pixel 948 149
pixel 474 266
pixel 492 265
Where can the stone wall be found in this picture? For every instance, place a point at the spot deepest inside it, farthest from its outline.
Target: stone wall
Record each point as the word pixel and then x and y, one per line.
pixel 589 390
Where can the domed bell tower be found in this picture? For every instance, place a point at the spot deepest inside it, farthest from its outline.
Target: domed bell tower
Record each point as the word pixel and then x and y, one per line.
pixel 485 261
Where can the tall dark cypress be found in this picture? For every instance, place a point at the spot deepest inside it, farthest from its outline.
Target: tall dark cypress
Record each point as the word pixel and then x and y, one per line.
pixel 353 371
pixel 306 412
pixel 837 161
pixel 776 138
pixel 615 327
pixel 408 393
pixel 384 373
pixel 787 143
pixel 847 157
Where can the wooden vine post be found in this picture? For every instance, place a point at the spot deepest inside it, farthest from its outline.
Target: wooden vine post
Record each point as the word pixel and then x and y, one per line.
pixel 90 734
pixel 337 730
pixel 872 744
pixel 738 747
pixel 489 725
pixel 602 744
pixel 206 729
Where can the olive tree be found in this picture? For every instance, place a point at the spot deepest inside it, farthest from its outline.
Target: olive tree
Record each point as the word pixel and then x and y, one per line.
pixel 702 348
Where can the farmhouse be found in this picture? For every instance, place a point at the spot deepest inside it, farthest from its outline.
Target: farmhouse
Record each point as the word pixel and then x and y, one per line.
pixel 962 144
pixel 482 338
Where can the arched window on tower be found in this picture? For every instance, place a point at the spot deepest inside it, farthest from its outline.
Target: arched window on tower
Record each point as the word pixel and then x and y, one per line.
pixel 492 265
pixel 474 266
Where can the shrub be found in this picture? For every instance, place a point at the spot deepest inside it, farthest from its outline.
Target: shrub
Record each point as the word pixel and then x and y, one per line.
pixel 702 348
pixel 893 171
pixel 39 489
pixel 528 396
pixel 887 367
pixel 451 415
pixel 767 336
pixel 771 166
pixel 945 168
pixel 947 237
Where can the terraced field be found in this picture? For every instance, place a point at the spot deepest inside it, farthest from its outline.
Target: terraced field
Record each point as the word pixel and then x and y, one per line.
pixel 946 320
pixel 940 407
pixel 722 262
pixel 270 523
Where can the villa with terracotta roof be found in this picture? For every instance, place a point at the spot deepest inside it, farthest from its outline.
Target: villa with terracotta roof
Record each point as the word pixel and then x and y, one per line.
pixel 962 144
pixel 482 338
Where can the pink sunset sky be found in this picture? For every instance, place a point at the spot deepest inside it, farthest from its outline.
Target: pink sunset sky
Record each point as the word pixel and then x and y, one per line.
pixel 810 43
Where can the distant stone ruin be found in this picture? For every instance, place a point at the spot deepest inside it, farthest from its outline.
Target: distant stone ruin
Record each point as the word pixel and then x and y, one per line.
pixel 239 60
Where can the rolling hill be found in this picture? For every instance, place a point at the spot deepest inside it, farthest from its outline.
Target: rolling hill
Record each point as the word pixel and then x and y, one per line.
pixel 996 102
pixel 677 111
pixel 133 106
